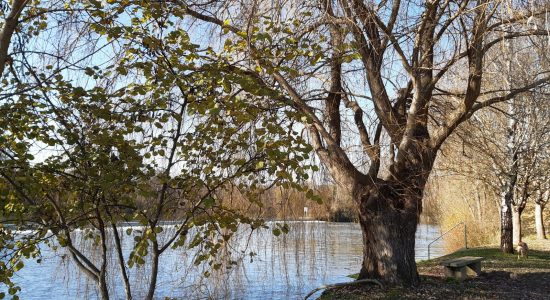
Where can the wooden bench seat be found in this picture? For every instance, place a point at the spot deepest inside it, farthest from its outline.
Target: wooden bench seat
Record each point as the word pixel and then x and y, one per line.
pixel 463 267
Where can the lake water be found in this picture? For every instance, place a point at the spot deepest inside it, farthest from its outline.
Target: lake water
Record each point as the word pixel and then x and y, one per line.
pixel 286 267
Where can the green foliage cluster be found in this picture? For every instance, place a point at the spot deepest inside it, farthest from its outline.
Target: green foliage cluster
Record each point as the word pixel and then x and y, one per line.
pixel 155 132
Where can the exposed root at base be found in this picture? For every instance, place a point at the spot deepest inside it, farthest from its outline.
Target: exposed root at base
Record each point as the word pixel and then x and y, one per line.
pixel 344 284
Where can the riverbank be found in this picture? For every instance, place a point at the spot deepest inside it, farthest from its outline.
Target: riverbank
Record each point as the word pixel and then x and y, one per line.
pixel 503 277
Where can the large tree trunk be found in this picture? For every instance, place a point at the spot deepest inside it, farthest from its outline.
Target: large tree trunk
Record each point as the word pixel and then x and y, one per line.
pixel 539 221
pixel 516 221
pixel 388 218
pixel 388 247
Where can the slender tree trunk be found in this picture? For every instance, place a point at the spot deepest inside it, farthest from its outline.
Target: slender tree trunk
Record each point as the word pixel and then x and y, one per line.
pixel 154 271
pixel 516 221
pixel 102 283
pixel 506 224
pixel 506 236
pixel 121 262
pixel 539 221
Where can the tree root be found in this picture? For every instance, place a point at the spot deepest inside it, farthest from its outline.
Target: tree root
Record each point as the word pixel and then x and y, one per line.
pixel 344 284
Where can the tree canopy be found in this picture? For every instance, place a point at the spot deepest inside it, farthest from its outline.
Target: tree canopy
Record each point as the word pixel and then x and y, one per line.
pixel 145 110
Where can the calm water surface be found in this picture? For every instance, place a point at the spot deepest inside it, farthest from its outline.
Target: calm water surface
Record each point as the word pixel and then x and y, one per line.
pixel 286 267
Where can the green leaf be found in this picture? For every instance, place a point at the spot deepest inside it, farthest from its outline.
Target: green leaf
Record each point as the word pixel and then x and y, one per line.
pixel 209 202
pixel 19 266
pixel 285 228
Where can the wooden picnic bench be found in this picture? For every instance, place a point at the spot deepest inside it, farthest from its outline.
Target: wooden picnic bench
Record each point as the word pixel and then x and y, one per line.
pixel 463 267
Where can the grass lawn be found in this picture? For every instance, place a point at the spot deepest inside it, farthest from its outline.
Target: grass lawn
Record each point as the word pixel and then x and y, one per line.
pixel 503 277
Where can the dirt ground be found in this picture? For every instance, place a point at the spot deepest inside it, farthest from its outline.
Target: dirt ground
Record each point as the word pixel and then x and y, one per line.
pixel 503 277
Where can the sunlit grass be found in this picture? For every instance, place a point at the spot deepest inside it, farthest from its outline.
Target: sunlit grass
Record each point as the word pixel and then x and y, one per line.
pixel 505 268
pixel 539 256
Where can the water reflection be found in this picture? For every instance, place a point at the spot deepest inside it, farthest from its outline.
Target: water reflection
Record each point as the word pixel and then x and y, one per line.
pixel 286 267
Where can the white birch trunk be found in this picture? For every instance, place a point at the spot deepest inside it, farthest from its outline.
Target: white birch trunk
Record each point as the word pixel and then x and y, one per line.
pixel 539 221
